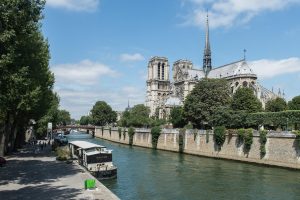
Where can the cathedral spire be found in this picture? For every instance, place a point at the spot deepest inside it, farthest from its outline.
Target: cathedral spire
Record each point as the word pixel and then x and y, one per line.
pixel 207 52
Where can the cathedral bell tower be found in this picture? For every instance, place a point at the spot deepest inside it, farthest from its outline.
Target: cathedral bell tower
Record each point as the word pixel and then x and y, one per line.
pixel 158 83
pixel 207 52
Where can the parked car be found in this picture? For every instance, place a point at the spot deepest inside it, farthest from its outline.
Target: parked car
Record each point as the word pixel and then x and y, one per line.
pixel 2 161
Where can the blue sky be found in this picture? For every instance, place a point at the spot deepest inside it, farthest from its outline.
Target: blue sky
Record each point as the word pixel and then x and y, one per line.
pixel 100 48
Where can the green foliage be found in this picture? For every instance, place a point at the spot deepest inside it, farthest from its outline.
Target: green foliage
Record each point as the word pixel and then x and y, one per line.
pixel 244 99
pixel 155 133
pixel 195 132
pixel 248 139
pixel 64 117
pixel 294 104
pixel 131 133
pixel 62 153
pixel 246 136
pixel 181 140
pixel 124 133
pixel 225 116
pixel 189 126
pixel 26 80
pixel 138 116
pixel 275 119
pixel 263 141
pixel 102 114
pixel 219 135
pixel 207 136
pixel 120 132
pixel 206 97
pixel 176 117
pixel 85 120
pixel 241 134
pixel 297 139
pixel 276 105
pixel 156 122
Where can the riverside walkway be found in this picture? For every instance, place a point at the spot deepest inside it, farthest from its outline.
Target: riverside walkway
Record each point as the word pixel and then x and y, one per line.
pixel 31 174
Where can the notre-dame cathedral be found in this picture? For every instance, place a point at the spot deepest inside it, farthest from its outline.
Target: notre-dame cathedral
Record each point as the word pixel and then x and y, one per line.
pixel 162 94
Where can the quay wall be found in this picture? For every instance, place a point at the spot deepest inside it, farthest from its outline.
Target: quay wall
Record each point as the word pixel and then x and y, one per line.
pixel 282 149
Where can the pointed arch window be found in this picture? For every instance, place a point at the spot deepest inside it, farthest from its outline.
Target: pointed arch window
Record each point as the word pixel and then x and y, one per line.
pixel 158 71
pixel 163 71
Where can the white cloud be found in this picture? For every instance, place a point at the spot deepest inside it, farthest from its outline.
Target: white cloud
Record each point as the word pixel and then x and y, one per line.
pixel 225 13
pixel 270 68
pixel 85 72
pixel 80 85
pixel 75 5
pixel 131 57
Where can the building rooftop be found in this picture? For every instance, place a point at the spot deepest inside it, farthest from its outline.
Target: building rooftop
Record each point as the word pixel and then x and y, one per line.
pixel 85 145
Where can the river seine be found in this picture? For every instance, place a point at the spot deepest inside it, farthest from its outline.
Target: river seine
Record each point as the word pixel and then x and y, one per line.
pixel 148 174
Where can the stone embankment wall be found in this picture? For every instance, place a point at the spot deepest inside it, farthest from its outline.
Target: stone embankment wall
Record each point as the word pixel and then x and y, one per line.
pixel 281 148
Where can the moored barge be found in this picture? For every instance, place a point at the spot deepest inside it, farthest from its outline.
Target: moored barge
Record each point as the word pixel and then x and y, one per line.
pixel 97 159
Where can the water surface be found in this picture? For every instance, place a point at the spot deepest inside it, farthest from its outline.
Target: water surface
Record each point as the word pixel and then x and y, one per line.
pixel 149 174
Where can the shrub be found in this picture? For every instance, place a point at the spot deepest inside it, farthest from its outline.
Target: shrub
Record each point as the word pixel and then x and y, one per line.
pixel 124 133
pixel 155 133
pixel 181 140
pixel 207 136
pixel 195 134
pixel 297 140
pixel 241 134
pixel 63 153
pixel 263 141
pixel 188 126
pixel 102 129
pixel 120 133
pixel 248 139
pixel 219 135
pixel 131 134
pixel 109 131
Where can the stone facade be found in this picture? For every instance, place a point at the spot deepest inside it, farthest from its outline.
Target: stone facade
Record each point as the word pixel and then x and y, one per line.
pixel 163 94
pixel 281 148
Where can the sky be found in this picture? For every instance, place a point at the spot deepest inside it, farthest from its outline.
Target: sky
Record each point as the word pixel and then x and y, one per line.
pixel 100 48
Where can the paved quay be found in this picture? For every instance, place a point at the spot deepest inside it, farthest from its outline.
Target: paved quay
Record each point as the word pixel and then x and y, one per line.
pixel 32 174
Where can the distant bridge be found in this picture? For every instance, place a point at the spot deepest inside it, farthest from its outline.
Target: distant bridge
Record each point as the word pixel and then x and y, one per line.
pixel 86 127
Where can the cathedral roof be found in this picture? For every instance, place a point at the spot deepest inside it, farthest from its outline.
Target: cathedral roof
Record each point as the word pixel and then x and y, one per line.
pixel 239 68
pixel 195 73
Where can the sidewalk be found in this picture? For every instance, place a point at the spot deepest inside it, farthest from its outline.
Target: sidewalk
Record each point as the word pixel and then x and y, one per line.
pixel 31 174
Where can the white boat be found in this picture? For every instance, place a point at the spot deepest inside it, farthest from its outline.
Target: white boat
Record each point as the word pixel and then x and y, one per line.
pixel 95 158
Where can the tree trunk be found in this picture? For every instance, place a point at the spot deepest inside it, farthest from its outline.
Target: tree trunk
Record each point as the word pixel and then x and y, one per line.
pixel 2 141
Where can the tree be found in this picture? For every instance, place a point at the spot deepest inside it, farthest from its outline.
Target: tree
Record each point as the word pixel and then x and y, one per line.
pixel 177 118
pixel 244 99
pixel 85 120
pixel 102 114
pixel 276 105
pixel 64 117
pixel 207 96
pixel 294 104
pixel 229 118
pixel 26 81
pixel 138 116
